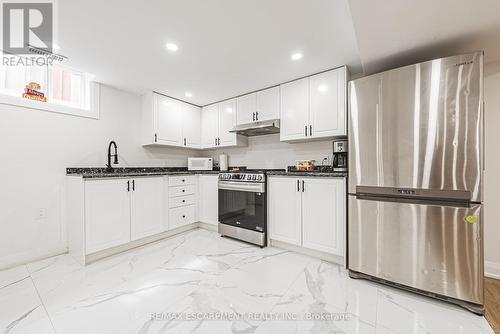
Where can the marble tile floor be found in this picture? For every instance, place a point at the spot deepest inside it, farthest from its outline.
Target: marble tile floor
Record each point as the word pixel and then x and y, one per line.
pixel 198 282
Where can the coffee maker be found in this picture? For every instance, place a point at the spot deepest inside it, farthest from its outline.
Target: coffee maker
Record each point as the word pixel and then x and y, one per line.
pixel 340 155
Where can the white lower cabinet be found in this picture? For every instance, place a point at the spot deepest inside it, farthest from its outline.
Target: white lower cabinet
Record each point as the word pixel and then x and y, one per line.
pixel 146 209
pixel 181 216
pixel 107 214
pixel 209 199
pixel 308 212
pixel 284 209
pixel 323 214
pixel 182 203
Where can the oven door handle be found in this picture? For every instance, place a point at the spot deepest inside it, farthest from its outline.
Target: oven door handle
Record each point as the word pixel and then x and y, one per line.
pixel 242 186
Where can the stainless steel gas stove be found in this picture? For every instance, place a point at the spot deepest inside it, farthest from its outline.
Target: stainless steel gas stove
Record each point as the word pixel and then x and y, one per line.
pixel 243 206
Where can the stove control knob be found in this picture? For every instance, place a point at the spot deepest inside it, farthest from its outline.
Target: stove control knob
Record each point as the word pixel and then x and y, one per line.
pixel 260 178
pixel 254 177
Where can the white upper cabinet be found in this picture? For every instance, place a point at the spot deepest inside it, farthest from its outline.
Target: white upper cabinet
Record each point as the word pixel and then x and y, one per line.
pixel 314 107
pixel 268 104
pixel 217 120
pixel 328 104
pixel 167 121
pixel 294 110
pixel 209 126
pixel 260 106
pixel 227 121
pixel 246 107
pixel 191 126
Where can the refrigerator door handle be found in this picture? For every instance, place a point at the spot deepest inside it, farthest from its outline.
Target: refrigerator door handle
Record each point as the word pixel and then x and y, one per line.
pixel 423 201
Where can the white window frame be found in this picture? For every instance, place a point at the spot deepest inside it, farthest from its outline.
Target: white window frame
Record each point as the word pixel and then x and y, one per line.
pixel 90 94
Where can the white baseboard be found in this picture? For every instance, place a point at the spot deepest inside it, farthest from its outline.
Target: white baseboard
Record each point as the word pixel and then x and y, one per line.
pixel 309 252
pixel 28 257
pixel 492 269
pixel 206 226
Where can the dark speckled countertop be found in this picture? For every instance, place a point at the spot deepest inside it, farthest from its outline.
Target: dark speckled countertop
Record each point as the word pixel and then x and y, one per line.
pixel 99 172
pixel 310 174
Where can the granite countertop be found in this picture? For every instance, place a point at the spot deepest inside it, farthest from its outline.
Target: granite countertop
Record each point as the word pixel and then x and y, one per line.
pixel 310 174
pixel 99 172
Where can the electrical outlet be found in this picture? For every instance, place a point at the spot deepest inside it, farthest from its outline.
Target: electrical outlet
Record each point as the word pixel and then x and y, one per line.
pixel 40 214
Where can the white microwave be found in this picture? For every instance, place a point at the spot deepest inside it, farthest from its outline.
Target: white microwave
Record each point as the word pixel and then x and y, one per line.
pixel 200 164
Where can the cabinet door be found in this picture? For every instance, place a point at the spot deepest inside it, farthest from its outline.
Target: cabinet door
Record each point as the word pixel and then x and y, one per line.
pixel 323 214
pixel 191 126
pixel 146 207
pixel 227 121
pixel 328 104
pixel 294 112
pixel 284 209
pixel 168 122
pixel 245 109
pixel 209 199
pixel 209 125
pixel 268 104
pixel 107 214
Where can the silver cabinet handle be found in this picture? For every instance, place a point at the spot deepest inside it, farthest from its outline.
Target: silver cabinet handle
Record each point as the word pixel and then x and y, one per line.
pixel 302 185
pixel 310 130
pixel 298 185
pixel 305 128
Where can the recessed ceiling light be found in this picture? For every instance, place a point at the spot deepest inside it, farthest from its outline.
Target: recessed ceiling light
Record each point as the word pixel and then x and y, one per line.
pixel 172 47
pixel 296 56
pixel 188 94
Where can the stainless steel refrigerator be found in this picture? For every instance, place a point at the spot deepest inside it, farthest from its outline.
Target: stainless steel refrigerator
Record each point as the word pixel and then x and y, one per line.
pixel 416 179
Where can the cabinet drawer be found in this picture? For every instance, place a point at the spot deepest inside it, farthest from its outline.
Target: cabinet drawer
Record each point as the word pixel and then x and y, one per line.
pixel 181 180
pixel 181 190
pixel 181 216
pixel 181 201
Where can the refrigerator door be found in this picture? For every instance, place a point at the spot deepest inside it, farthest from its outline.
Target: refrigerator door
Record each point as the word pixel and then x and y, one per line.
pixel 419 127
pixel 425 245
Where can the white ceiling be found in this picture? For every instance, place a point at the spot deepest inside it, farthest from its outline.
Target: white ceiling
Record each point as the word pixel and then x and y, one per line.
pixel 229 47
pixel 226 47
pixel 392 33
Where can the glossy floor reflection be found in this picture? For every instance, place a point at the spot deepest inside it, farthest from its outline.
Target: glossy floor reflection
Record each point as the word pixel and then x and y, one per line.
pixel 173 286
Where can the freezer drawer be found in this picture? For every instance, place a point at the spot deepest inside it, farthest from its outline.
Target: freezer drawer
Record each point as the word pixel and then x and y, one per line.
pixel 425 246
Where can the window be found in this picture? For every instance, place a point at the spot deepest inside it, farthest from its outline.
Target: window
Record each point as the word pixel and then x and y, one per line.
pixel 48 87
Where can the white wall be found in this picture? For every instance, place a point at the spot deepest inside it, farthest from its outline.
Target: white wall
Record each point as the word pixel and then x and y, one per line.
pixel 268 152
pixel 492 175
pixel 35 149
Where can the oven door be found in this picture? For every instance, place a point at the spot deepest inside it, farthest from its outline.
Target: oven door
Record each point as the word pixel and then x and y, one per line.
pixel 243 205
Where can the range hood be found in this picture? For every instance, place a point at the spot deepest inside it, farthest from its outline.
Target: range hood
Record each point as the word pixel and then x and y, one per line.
pixel 258 128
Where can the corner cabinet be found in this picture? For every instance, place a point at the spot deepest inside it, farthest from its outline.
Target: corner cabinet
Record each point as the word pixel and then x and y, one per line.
pixel 217 121
pixel 169 122
pixel 309 212
pixel 314 107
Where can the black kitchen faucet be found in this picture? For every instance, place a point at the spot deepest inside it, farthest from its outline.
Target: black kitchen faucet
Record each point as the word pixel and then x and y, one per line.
pixel 115 161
